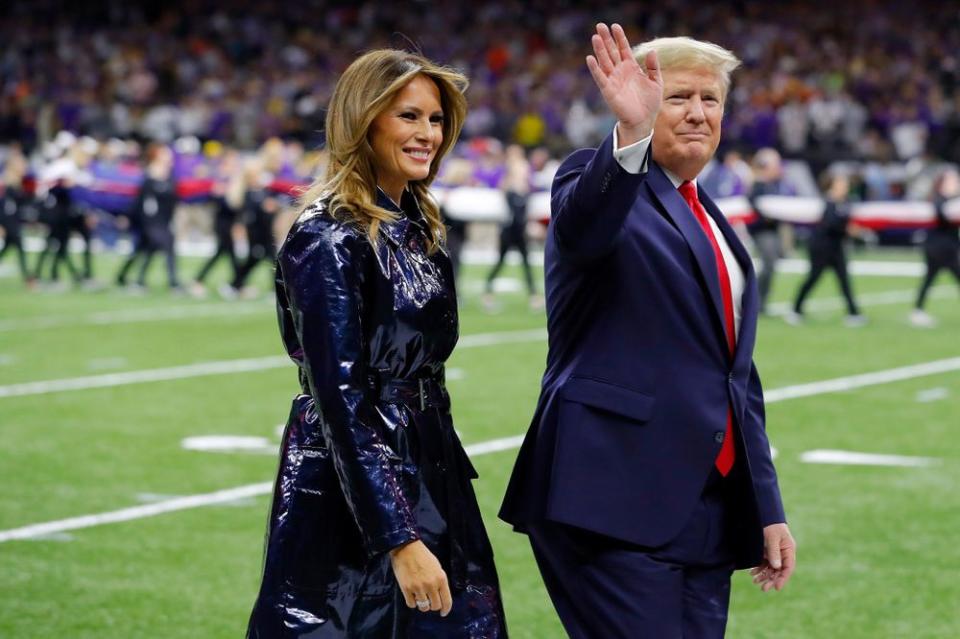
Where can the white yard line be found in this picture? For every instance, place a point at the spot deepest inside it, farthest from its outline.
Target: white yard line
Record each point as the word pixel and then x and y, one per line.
pixel 137 512
pixel 200 369
pixel 860 381
pixel 481 448
pixel 193 501
pixel 223 367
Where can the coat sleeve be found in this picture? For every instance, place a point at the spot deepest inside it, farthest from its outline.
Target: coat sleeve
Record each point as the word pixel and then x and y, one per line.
pixel 758 449
pixel 590 199
pixel 322 268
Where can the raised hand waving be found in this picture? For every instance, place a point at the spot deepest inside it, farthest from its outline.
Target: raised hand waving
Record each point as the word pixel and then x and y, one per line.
pixel 634 95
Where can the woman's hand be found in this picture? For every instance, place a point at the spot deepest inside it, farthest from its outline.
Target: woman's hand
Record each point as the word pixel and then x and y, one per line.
pixel 421 578
pixel 634 95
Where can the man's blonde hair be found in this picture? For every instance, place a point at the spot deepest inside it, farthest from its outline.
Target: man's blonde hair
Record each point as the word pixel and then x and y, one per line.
pixel 682 52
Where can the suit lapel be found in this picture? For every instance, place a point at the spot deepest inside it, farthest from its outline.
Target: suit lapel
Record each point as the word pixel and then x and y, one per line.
pixel 748 304
pixel 683 219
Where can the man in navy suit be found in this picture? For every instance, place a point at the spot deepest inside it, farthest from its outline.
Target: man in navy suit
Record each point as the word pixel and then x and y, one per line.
pixel 646 476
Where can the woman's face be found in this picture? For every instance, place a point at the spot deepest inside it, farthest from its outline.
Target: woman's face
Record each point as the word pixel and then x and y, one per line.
pixel 406 135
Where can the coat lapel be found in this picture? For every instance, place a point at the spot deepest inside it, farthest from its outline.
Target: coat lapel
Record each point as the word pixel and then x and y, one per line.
pixel 683 219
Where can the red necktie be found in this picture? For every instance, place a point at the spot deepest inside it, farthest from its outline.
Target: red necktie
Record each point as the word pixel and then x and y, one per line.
pixel 724 461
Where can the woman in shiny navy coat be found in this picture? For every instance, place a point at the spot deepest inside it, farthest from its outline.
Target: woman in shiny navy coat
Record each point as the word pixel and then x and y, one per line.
pixel 375 530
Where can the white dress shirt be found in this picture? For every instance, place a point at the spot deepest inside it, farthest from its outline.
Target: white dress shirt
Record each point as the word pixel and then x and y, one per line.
pixel 633 159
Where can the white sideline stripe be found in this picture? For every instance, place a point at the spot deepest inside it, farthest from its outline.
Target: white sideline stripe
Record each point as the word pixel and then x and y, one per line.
pixel 481 448
pixel 881 268
pixel 222 367
pixel 866 379
pixel 865 299
pixel 509 337
pixel 864 459
pixel 130 316
pixel 198 311
pixel 494 445
pixel 858 267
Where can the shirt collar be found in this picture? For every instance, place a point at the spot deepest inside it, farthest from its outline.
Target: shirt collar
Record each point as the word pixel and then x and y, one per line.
pixel 408 213
pixel 676 181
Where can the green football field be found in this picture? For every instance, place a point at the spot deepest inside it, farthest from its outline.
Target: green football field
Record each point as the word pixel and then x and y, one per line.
pixel 101 391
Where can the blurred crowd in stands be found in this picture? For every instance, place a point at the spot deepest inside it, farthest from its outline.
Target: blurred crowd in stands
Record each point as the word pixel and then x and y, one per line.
pixel 160 125
pixel 863 79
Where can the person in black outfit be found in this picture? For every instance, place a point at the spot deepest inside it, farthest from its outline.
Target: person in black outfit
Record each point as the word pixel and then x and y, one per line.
pixel 152 213
pixel 12 201
pixel 259 208
pixel 941 248
pixel 513 234
pixel 827 251
pixel 456 238
pixel 82 221
pixel 768 180
pixel 223 221
pixel 225 205
pixel 59 211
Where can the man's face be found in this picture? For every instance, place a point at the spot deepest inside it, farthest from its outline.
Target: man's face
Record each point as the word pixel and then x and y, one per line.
pixel 687 130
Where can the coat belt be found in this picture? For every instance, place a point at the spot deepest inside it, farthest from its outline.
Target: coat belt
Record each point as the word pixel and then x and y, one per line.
pixel 419 392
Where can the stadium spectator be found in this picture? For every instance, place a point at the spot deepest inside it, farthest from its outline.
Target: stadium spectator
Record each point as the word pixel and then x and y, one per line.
pixel 812 82
pixel 258 212
pixel 941 248
pixel 731 177
pixel 456 172
pixel 374 507
pixel 826 247
pixel 12 203
pixel 515 184
pixel 58 210
pixel 767 180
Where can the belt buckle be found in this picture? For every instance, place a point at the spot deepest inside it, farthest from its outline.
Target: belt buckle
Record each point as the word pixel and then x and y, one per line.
pixel 423 394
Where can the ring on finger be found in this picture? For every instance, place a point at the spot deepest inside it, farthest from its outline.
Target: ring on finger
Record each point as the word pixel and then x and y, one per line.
pixel 423 604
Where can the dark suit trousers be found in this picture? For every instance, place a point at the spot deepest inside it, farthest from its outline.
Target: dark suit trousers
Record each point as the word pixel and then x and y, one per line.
pixel 605 588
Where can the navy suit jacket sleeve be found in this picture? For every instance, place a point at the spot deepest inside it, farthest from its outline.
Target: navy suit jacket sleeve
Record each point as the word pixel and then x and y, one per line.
pixel 591 197
pixel 763 474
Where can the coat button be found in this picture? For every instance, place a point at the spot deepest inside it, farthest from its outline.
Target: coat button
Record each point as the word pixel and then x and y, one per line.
pixel 718 436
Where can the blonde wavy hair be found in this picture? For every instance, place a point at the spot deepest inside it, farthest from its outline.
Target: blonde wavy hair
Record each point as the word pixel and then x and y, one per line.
pixel 686 53
pixel 366 88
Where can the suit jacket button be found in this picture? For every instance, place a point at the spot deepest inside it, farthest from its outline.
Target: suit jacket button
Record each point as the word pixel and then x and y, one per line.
pixel 718 436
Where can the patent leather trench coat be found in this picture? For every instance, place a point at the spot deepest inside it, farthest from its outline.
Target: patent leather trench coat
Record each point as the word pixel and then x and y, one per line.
pixel 369 458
